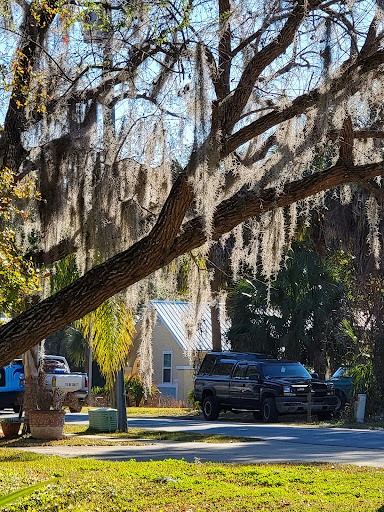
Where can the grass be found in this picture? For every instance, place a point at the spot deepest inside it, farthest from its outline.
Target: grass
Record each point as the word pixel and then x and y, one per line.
pixel 154 411
pixel 176 486
pixel 369 424
pixel 134 436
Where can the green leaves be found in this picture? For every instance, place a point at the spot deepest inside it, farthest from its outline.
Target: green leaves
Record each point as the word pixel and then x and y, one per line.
pixel 303 312
pixel 18 275
pixel 109 329
pixel 13 496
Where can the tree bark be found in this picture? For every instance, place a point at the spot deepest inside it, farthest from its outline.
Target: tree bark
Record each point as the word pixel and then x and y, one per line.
pixel 216 264
pixel 216 328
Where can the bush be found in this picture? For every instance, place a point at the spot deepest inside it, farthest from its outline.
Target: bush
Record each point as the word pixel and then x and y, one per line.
pixel 134 390
pixel 191 402
pixel 99 391
pixel 364 381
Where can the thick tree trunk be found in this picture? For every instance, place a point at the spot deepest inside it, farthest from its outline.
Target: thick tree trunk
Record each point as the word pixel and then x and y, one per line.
pixel 216 264
pixel 31 372
pixel 378 345
pixel 216 328
pixel 317 359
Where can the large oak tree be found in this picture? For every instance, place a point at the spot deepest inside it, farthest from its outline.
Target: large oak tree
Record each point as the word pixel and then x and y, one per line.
pixel 153 129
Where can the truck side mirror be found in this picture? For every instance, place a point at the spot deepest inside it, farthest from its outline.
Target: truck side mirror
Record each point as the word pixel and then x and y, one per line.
pixel 315 375
pixel 254 376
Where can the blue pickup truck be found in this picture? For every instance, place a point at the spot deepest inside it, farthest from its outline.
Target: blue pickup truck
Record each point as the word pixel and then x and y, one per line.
pixel 12 383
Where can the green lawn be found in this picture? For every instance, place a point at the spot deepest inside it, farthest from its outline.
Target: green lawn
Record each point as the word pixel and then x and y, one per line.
pixel 154 411
pixel 134 436
pixel 176 486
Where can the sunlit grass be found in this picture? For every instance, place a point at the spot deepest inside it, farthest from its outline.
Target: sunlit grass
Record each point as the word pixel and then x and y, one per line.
pixel 134 436
pixel 174 486
pixel 154 411
pixel 160 411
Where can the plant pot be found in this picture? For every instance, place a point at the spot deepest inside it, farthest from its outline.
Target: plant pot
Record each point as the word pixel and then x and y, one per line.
pixel 10 428
pixel 46 424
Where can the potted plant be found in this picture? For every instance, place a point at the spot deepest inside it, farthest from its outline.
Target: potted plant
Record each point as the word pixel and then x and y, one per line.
pixel 44 412
pixel 10 427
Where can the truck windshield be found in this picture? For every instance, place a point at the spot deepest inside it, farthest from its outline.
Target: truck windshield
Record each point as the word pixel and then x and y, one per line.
pixel 273 371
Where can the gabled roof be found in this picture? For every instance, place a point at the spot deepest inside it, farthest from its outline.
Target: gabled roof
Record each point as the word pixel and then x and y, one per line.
pixel 174 316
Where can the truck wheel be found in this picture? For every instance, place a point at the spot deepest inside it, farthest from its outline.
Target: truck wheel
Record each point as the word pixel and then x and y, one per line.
pixel 211 409
pixel 269 410
pixel 341 400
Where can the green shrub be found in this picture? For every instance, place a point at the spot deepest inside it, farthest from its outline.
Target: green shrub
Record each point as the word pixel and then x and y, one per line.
pixel 98 391
pixel 191 402
pixel 134 389
pixel 364 381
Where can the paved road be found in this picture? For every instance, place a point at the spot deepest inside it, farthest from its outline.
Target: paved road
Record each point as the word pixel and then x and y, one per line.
pixel 275 443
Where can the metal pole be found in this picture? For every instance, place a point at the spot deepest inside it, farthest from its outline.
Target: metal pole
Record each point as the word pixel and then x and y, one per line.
pixel 309 405
pixel 122 425
pixel 90 355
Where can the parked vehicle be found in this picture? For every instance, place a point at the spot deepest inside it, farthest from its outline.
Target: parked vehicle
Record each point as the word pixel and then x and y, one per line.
pixel 256 382
pixel 12 382
pixel 57 375
pixel 342 381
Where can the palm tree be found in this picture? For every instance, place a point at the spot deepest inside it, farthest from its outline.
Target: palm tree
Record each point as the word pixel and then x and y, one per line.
pixel 300 321
pixel 108 330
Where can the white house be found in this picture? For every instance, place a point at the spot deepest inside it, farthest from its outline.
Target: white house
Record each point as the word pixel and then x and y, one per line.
pixel 172 350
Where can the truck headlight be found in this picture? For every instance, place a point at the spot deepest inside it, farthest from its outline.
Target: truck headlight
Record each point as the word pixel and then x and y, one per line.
pixel 287 391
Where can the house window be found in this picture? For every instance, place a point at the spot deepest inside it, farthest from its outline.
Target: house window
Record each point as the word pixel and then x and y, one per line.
pixel 167 367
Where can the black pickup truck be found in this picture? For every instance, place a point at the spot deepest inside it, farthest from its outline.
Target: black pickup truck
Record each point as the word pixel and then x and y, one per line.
pixel 256 382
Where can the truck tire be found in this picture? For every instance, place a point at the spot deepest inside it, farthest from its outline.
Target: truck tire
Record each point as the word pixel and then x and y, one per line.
pixel 211 409
pixel 341 400
pixel 269 410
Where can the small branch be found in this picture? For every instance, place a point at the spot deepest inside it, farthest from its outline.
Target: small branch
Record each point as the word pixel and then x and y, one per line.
pixel 260 153
pixel 129 95
pixel 257 34
pixel 55 253
pixel 378 193
pixel 358 134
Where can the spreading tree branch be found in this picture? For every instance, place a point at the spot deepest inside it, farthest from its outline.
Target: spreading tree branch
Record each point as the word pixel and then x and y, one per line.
pixel 158 249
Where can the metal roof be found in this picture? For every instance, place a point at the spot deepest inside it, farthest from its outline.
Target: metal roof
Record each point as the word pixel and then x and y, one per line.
pixel 175 315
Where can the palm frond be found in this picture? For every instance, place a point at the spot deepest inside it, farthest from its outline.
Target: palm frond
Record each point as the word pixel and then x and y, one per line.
pixel 109 329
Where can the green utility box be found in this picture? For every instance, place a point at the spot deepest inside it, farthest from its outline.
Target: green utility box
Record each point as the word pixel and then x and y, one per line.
pixel 103 420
